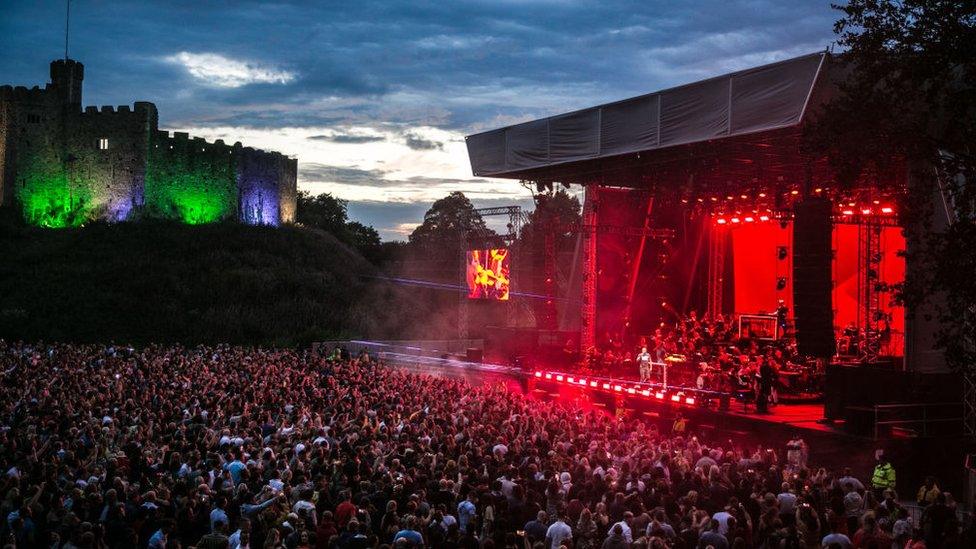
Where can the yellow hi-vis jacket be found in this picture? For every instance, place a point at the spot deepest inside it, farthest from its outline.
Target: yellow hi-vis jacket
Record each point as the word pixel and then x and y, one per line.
pixel 884 476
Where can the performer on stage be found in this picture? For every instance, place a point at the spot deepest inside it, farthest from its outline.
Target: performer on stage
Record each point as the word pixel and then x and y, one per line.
pixel 644 361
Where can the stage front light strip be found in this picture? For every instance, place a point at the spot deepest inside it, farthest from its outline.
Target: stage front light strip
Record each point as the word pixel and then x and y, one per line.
pixel 650 391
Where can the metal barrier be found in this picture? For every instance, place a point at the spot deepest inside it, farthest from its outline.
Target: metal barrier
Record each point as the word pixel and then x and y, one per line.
pixel 920 415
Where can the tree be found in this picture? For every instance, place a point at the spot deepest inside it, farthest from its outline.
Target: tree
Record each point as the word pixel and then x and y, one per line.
pixel 329 213
pixel 911 94
pixel 553 211
pixel 446 221
pixel 323 211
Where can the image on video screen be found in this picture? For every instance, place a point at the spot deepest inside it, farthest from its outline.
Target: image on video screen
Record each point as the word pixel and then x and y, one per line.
pixel 488 274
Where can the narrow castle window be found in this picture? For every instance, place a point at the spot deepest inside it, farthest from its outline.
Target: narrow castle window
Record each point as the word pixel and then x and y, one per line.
pixel 103 144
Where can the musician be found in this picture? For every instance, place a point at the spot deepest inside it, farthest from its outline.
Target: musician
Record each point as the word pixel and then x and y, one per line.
pixel 781 312
pixel 644 361
pixel 766 376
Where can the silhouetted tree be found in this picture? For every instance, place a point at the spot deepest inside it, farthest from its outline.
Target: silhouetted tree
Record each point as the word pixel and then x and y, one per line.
pixel 446 221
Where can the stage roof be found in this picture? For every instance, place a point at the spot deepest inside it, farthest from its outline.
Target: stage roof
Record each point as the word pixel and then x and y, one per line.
pixel 759 99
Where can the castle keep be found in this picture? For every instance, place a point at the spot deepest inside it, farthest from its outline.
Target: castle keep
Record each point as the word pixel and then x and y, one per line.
pixel 62 165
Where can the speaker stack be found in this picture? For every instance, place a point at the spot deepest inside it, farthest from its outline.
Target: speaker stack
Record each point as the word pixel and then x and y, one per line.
pixel 812 304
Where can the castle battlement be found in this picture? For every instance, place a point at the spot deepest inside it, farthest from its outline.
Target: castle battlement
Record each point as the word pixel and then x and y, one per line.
pixel 141 109
pixel 23 93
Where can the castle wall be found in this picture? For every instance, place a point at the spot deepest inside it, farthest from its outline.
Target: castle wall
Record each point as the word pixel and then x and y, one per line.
pixel 288 190
pixel 263 181
pixel 191 180
pixel 34 174
pixel 112 178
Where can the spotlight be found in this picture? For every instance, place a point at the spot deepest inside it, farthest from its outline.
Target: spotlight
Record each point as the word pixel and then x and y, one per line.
pixel 749 219
pixel 572 380
pixel 848 212
pixel 646 393
pixel 781 283
pixel 618 388
pixel 659 395
pixel 764 218
pixel 592 384
pixel 606 386
pixel 548 376
pixel 762 195
pixel 559 378
pixel 538 374
pixel 721 221
pixel 794 192
pixel 866 211
pixel 886 210
pixel 690 400
pixel 735 220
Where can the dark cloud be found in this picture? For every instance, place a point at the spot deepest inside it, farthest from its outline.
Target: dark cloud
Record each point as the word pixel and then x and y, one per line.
pixel 418 143
pixel 311 171
pixel 348 139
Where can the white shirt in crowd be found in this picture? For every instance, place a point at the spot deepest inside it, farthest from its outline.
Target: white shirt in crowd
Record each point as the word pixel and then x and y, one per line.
pixel 558 532
pixel 626 528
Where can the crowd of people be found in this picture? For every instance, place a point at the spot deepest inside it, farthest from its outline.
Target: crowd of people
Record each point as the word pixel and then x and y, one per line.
pixel 227 447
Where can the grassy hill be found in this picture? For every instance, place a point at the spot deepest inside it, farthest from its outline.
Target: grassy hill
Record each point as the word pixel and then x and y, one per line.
pixel 165 282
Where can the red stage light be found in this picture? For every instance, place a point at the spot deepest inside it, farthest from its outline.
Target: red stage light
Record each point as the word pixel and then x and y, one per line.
pixel 559 378
pixel 764 218
pixel 538 374
pixel 582 382
pixel 886 210
pixel 866 211
pixel 721 221
pixel 592 384
pixel 548 376
pixel 735 220
pixel 676 398
pixel 818 190
pixel 659 396
pixel 848 212
pixel 714 199
pixel 632 391
pixel 794 192
pixel 646 393
pixel 742 196
pixel 689 400
pixel 606 385
pixel 762 195
pixel 618 388
pixel 749 219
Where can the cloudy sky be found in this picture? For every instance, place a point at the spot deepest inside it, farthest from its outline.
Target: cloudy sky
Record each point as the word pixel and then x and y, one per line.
pixel 375 97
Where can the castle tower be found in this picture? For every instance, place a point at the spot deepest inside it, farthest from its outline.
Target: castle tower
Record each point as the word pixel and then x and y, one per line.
pixel 67 76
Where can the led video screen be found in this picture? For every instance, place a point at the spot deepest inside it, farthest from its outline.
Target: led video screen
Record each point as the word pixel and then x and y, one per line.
pixel 488 274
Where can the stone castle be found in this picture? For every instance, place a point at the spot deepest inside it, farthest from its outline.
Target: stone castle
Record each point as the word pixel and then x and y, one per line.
pixel 63 166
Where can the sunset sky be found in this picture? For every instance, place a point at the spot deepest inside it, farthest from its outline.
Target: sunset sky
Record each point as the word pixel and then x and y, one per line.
pixel 375 98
